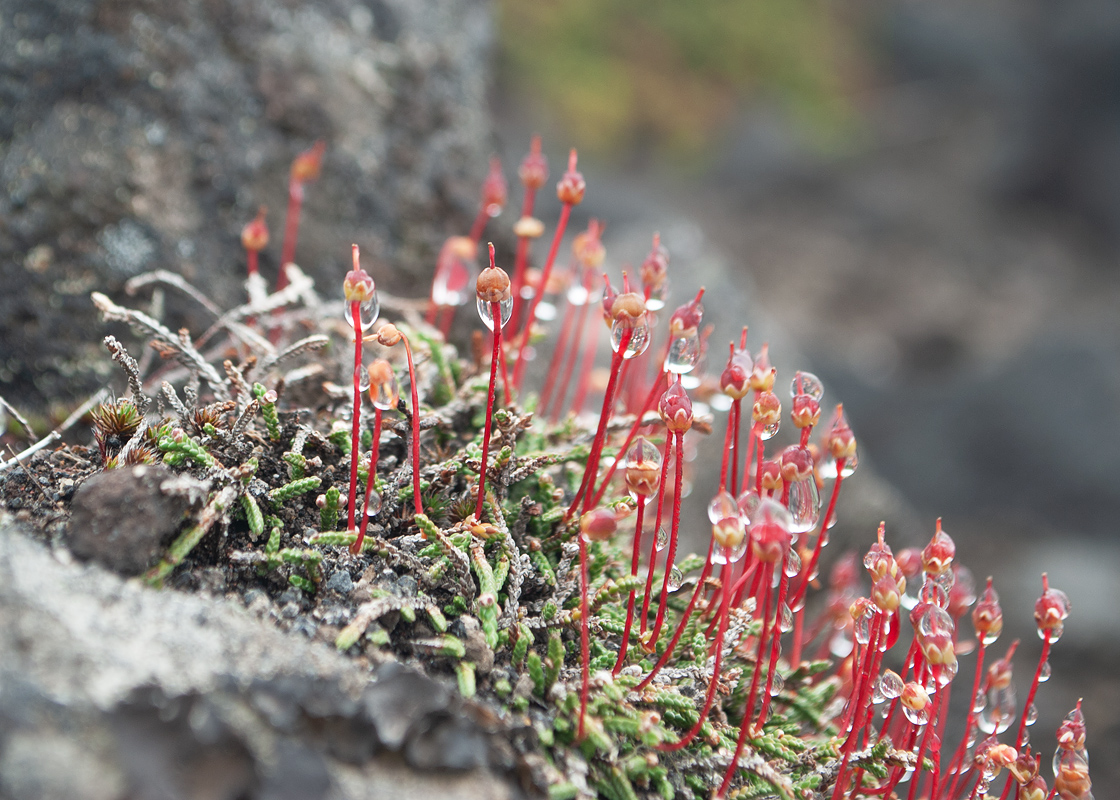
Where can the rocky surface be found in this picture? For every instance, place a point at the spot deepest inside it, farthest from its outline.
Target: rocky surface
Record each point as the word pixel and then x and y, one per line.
pixel 144 134
pixel 146 694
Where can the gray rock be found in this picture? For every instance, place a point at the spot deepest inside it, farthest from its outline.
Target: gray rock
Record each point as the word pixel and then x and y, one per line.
pixel 340 582
pixel 145 134
pixel 146 694
pixel 124 520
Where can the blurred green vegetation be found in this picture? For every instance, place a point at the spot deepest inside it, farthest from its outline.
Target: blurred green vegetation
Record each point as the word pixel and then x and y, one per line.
pixel 669 74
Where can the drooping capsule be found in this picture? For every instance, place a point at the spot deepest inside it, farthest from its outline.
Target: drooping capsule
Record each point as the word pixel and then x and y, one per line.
pixel 383 390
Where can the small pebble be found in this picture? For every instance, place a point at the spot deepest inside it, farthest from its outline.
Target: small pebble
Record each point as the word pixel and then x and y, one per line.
pixel 305 626
pixel 340 582
pixel 291 595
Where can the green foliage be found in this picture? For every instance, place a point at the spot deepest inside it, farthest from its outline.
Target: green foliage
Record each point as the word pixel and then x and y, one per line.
pixel 294 489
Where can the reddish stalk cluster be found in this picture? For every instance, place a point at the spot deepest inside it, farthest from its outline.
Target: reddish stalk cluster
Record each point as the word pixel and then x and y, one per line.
pixel 768 534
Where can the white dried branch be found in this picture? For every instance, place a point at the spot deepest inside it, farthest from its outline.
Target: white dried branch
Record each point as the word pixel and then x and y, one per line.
pixel 100 396
pixel 162 276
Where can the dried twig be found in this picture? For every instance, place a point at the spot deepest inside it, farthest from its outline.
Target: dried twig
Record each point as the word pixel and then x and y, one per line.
pixel 19 417
pixel 162 276
pixel 179 344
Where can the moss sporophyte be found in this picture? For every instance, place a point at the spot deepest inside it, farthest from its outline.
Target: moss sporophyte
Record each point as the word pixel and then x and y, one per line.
pixel 488 548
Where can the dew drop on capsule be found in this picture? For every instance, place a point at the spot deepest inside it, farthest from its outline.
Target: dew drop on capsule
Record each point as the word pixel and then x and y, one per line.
pixel 804 505
pixel 722 506
pixel 684 354
pixel 367 313
pixel 638 341
pixel 486 311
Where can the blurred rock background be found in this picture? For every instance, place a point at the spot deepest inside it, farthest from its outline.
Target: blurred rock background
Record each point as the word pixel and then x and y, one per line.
pixel 921 204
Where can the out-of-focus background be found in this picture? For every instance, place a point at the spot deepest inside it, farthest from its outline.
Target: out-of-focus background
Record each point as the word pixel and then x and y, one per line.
pixel 921 204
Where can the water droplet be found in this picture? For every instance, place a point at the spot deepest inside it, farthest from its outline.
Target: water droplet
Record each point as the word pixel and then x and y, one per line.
pixel 806 383
pixel 454 283
pixel 675 579
pixel 662 540
pixel 804 505
pixel 1044 672
pixel 793 563
pixel 748 503
pixel 486 311
pixel 918 716
pixel 999 711
pixel 933 594
pixel 890 684
pixel 1031 715
pixel 578 295
pixel 850 465
pixel 946 673
pixel 840 644
pixel 785 622
pixel 374 504
pixel 722 506
pixel 684 354
pixel 720 402
pixel 363 379
pixel 777 683
pixel 367 313
pixel 945 579
pixel 386 394
pixel 863 629
pixel 979 702
pixel 884 633
pixel 656 299
pixel 636 343
pixel 729 555
pixel 546 311
pixel 1055 633
pixel 769 431
pixel 935 621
